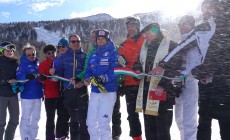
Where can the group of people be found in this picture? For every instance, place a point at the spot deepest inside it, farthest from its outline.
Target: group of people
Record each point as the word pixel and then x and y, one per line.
pixel 187 74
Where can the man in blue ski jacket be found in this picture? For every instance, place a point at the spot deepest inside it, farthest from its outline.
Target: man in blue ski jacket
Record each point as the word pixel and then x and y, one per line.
pixel 71 63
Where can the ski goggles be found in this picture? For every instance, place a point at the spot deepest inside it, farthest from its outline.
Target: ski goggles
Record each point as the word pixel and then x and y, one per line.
pixel 10 47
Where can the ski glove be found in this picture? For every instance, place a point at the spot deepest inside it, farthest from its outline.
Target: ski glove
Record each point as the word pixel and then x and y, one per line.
pixel 122 60
pixel 98 80
pixel 42 77
pixel 30 76
pixel 178 83
pixel 77 80
pixel 16 88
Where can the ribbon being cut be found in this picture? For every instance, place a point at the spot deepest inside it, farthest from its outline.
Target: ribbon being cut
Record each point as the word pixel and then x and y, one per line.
pixel 54 76
pixel 130 72
pixel 153 99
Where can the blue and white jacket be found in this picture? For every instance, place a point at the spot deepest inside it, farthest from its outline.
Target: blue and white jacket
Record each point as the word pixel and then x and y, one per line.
pixel 64 65
pixel 102 62
pixel 33 89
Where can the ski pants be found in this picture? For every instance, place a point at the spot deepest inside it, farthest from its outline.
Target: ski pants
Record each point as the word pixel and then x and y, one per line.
pixel 158 127
pixel 31 111
pixel 52 105
pixel 186 109
pixel 204 131
pixel 10 103
pixel 100 114
pixel 62 125
pixel 76 103
pixel 133 117
pixel 116 118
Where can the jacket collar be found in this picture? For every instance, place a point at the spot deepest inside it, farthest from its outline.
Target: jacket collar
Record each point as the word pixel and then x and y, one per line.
pixel 24 59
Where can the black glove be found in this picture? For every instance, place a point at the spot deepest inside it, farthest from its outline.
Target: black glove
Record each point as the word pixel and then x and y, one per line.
pixel 177 87
pixel 172 90
pixel 30 76
pixel 77 80
pixel 97 80
pixel 42 77
pixel 122 60
pixel 162 64
pixel 137 67
pixel 178 83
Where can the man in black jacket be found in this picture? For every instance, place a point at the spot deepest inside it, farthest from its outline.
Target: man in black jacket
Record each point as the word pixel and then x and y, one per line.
pixel 214 75
pixel 157 114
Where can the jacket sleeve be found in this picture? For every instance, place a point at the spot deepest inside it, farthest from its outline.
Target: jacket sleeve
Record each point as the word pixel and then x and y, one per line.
pixel 2 80
pixel 59 66
pixel 110 75
pixel 121 50
pixel 88 72
pixel 82 74
pixel 41 68
pixel 207 29
pixel 21 73
pixel 171 70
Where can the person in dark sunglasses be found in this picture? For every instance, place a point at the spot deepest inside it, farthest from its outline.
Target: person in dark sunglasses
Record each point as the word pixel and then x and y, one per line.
pixel 31 96
pixel 63 45
pixel 71 63
pixel 62 125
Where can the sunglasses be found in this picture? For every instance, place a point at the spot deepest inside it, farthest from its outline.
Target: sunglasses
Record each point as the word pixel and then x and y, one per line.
pixel 29 55
pixel 59 47
pixel 49 53
pixel 75 41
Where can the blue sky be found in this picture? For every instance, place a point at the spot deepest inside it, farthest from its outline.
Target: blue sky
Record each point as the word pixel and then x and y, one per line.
pixel 37 10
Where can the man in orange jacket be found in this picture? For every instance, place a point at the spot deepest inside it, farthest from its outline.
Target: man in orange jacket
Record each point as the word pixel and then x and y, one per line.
pixel 130 51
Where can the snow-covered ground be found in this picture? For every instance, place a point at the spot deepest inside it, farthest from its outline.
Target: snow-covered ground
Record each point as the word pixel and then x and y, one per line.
pixel 125 135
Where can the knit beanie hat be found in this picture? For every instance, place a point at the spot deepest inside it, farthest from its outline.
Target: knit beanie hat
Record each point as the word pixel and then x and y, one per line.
pixel 133 20
pixel 153 27
pixel 63 42
pixel 188 20
pixel 49 47
pixel 102 33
